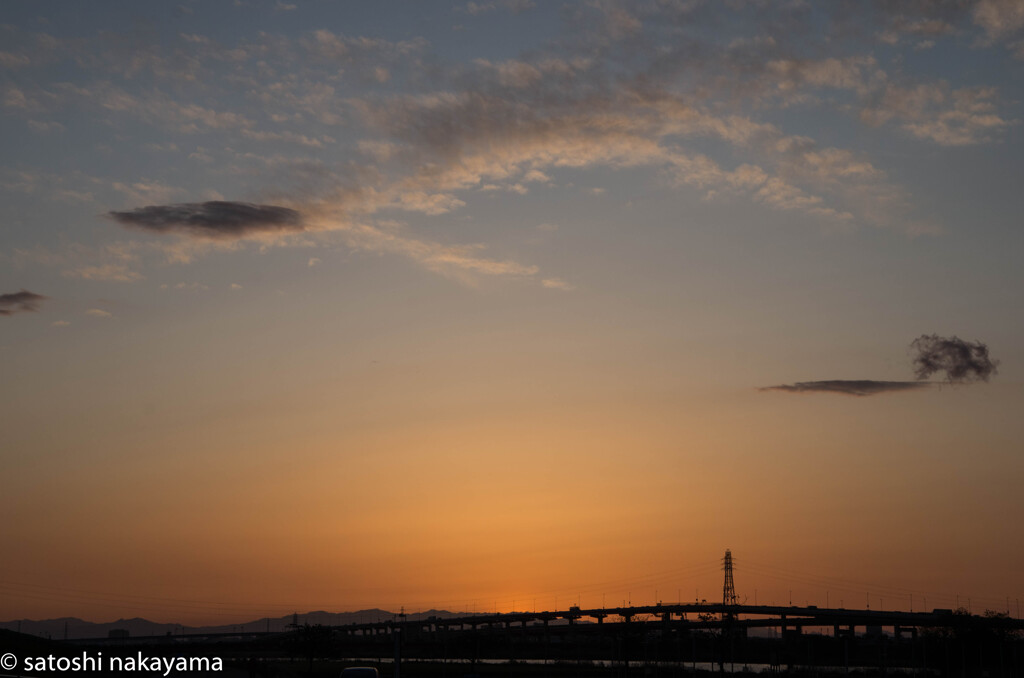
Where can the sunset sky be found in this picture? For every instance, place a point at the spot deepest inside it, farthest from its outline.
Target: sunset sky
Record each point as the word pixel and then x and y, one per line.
pixel 473 305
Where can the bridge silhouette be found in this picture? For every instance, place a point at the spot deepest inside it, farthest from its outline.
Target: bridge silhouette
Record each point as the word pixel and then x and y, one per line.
pixel 786 619
pixel 664 638
pixel 654 641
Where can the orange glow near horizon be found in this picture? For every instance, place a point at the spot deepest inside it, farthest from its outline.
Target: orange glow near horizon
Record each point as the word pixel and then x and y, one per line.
pixel 545 517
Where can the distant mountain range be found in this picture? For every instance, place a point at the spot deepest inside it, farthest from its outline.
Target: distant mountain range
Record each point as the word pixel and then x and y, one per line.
pixel 72 627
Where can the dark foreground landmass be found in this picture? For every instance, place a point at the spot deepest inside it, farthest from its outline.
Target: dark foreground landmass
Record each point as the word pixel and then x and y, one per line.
pixel 971 647
pixel 72 627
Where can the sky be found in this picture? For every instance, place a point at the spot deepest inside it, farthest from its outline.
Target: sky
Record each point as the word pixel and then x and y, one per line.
pixel 509 304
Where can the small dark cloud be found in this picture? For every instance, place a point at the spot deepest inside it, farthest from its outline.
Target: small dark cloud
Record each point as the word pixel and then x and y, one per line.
pixel 854 387
pixel 962 361
pixel 215 219
pixel 16 302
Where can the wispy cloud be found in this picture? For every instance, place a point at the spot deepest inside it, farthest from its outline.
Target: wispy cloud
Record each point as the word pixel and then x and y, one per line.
pixel 192 286
pixel 12 61
pixel 516 121
pixel 556 284
pixel 112 262
pixel 999 18
pixel 461 262
pixel 148 191
pixel 514 6
pixel 110 272
pixel 935 112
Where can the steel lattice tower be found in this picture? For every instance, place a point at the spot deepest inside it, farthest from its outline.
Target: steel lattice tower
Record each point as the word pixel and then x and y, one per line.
pixel 729 588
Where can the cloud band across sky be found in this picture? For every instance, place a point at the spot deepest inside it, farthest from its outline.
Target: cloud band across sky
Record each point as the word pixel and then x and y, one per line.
pixel 367 125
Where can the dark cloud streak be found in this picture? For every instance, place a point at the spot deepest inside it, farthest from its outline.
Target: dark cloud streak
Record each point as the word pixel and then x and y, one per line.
pixel 214 219
pixel 962 361
pixel 853 387
pixel 17 302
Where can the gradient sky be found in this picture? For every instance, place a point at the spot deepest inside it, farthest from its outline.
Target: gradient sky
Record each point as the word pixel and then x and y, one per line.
pixel 477 299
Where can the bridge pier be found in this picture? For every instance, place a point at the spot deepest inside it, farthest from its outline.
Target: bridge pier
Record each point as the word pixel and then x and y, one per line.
pixel 840 631
pixel 898 631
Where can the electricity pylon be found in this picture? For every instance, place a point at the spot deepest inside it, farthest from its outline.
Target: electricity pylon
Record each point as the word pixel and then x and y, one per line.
pixel 729 588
